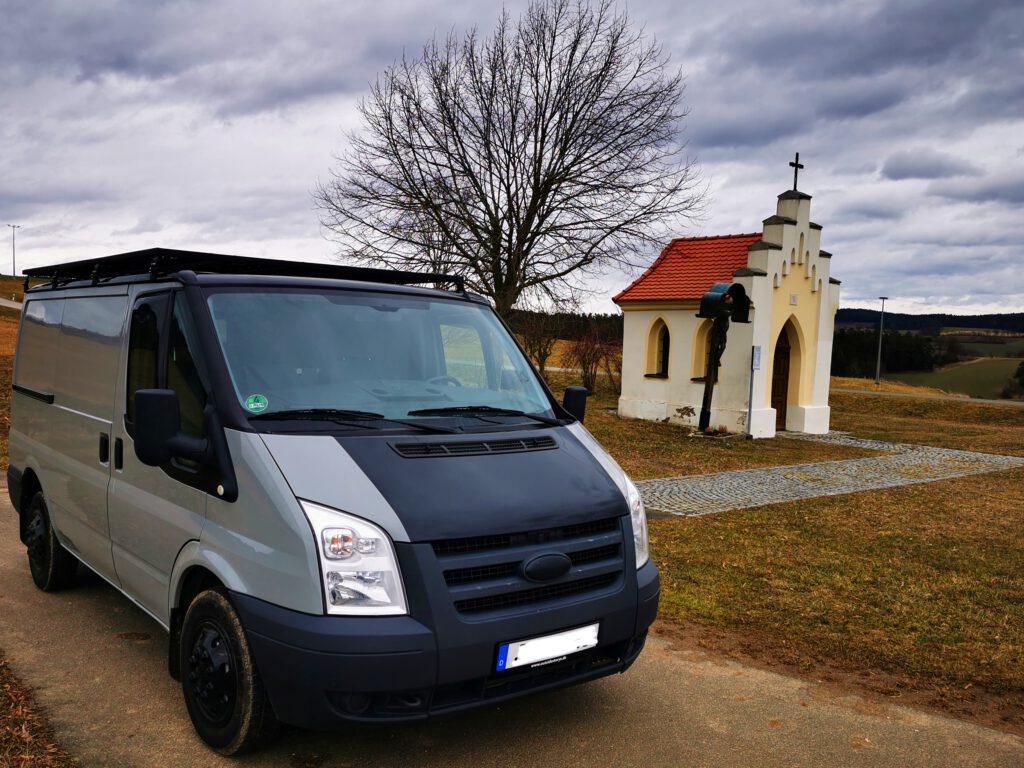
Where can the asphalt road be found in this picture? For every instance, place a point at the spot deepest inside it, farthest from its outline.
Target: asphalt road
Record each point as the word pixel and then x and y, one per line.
pixel 98 666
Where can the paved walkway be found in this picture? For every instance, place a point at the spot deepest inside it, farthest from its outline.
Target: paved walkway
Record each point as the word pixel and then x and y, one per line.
pixel 902 465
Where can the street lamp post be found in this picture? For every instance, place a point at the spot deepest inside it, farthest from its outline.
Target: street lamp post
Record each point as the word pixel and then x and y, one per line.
pixel 14 264
pixel 881 325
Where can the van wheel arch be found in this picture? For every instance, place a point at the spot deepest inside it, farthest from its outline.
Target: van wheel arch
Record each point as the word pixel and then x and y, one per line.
pixel 30 486
pixel 194 581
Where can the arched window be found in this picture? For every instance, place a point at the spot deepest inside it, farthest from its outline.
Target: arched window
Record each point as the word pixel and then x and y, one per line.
pixel 658 347
pixel 701 339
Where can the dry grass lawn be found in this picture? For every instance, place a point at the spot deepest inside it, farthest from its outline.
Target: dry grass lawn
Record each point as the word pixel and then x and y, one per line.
pixel 13 288
pixel 925 581
pixel 886 385
pixel 6 364
pixel 965 426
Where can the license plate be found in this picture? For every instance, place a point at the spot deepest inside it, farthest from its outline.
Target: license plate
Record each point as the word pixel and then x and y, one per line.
pixel 550 649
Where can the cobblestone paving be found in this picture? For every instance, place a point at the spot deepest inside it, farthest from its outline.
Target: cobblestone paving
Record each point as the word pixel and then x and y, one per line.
pixel 903 464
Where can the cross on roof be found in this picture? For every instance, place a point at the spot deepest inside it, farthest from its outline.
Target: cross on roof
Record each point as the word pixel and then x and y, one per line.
pixel 796 165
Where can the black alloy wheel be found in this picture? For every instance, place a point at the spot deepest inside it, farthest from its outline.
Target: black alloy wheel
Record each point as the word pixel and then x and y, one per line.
pixel 52 566
pixel 210 674
pixel 222 688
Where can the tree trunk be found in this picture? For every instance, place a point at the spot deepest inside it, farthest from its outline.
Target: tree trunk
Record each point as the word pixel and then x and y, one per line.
pixel 503 303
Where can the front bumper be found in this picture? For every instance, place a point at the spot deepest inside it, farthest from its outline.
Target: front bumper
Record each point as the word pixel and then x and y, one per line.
pixel 321 671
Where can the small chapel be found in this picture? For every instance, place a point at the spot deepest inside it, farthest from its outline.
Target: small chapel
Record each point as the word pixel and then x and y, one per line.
pixel 774 372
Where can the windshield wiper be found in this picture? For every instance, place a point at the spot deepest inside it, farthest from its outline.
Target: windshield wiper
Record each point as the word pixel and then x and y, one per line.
pixel 488 410
pixel 345 416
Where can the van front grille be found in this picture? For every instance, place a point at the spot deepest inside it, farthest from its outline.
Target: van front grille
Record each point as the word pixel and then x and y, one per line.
pixel 530 596
pixel 485 573
pixel 547 536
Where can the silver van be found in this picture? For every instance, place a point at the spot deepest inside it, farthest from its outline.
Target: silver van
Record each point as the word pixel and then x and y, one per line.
pixel 345 497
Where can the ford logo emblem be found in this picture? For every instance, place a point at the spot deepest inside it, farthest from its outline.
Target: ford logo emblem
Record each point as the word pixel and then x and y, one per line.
pixel 547 567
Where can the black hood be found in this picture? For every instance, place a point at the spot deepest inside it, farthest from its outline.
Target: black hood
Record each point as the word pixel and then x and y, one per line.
pixel 494 490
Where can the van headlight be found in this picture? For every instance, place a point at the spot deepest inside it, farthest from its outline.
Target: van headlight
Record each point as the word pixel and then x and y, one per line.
pixel 638 517
pixel 358 567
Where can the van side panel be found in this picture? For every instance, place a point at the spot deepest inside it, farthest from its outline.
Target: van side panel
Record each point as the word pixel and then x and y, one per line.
pixel 84 376
pixel 79 370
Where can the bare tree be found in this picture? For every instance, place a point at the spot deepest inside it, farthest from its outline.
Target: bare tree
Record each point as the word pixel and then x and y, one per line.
pixel 538 332
pixel 611 363
pixel 587 354
pixel 518 160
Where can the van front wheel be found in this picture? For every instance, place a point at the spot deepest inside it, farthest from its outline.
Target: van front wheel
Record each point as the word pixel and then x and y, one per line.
pixel 223 691
pixel 52 566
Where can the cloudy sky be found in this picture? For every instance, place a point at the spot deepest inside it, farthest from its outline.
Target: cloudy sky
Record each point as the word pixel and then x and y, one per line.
pixel 207 124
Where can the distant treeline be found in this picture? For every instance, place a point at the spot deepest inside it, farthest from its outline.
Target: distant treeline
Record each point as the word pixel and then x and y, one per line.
pixel 568 325
pixel 931 324
pixel 855 352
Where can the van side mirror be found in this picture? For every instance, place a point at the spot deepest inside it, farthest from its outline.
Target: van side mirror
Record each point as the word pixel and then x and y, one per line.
pixel 158 437
pixel 575 402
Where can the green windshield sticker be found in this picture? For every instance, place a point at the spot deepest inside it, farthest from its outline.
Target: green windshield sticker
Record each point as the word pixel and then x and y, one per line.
pixel 256 403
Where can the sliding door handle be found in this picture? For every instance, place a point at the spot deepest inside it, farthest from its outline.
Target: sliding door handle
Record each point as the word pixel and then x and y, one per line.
pixel 104 448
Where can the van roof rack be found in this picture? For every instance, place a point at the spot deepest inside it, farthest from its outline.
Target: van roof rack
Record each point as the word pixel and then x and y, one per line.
pixel 160 262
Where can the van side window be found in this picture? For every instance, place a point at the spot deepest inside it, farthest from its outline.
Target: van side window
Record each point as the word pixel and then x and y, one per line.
pixel 182 374
pixel 37 345
pixel 144 349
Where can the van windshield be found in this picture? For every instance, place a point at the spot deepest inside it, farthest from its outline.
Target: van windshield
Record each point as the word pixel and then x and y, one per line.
pixel 408 357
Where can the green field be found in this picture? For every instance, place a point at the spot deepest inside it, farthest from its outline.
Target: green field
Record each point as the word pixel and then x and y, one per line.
pixel 984 377
pixel 992 346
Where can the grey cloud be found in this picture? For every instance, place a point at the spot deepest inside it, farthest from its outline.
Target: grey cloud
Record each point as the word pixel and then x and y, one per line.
pixel 1004 188
pixel 924 163
pixel 143 226
pixel 820 40
pixel 997 96
pixel 880 209
pixel 740 128
pixel 858 97
pixel 839 64
pixel 237 57
pixel 28 203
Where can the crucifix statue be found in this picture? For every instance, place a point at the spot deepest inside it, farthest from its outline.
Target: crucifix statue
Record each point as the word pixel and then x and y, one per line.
pixel 796 165
pixel 724 302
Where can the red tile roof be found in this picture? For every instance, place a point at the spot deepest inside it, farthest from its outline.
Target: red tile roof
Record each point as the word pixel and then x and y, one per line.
pixel 689 266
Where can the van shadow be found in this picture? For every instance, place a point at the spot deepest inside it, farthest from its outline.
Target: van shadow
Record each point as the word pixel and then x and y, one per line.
pixel 541 729
pixel 538 729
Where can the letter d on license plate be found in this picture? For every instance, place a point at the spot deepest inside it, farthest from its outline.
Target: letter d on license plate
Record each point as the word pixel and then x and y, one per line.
pixel 549 649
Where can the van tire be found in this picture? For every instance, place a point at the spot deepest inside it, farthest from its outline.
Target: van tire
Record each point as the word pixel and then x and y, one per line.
pixel 223 691
pixel 52 566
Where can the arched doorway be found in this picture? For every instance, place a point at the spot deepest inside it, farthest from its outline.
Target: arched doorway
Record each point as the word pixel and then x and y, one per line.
pixel 780 380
